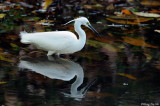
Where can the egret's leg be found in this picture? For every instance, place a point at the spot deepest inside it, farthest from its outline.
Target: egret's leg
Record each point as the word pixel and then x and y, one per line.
pixel 50 53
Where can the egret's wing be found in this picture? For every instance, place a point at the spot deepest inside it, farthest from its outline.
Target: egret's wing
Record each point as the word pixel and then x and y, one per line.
pixel 57 39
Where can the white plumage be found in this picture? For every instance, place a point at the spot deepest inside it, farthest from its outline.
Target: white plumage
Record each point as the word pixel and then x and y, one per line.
pixel 59 42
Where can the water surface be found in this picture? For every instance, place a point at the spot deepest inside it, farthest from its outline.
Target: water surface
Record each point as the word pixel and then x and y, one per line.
pixel 120 68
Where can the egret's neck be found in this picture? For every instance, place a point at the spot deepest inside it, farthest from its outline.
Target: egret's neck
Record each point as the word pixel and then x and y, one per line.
pixel 81 33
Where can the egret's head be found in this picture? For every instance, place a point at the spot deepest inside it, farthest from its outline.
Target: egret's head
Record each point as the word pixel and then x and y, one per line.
pixel 81 21
pixel 84 21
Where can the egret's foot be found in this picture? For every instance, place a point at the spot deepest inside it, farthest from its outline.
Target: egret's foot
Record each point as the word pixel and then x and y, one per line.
pixel 54 57
pixel 50 53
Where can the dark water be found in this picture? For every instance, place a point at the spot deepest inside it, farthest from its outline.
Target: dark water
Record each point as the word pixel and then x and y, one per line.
pixel 120 68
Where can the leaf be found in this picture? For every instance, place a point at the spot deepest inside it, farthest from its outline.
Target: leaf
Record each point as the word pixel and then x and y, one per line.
pixel 46 4
pixel 148 57
pixel 88 6
pixel 18 7
pixel 5 59
pixel 137 42
pixel 2 15
pixel 150 3
pixel 123 22
pixel 131 17
pixel 142 14
pixel 14 46
pixel 107 39
pixel 127 75
pixel 2 82
pixel 97 6
pixel 142 20
pixel 127 12
pixel 45 22
pixel 154 11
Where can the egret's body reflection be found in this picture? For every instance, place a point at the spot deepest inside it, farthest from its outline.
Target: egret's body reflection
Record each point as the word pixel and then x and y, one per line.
pixel 58 69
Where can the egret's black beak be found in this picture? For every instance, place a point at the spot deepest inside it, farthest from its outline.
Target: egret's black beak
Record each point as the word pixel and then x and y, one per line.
pixel 93 30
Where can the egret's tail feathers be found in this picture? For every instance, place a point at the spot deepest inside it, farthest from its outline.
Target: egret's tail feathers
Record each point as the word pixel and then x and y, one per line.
pixel 24 37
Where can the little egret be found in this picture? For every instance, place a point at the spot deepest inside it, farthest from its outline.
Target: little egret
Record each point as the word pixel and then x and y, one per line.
pixel 59 42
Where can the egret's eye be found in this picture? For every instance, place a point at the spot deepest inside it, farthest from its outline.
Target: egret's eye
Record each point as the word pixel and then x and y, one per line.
pixel 87 23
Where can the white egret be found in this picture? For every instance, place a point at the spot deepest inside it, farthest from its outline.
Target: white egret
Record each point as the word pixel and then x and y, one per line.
pixel 59 42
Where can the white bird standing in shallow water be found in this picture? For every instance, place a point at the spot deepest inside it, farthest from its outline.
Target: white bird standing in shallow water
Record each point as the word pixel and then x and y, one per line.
pixel 59 42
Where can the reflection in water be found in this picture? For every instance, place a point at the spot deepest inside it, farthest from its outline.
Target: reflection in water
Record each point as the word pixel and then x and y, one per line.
pixel 61 69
